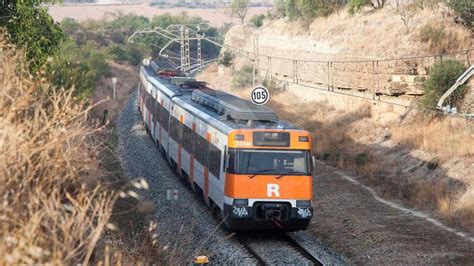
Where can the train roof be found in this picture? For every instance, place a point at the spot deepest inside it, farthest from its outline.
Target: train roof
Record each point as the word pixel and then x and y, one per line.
pixel 221 109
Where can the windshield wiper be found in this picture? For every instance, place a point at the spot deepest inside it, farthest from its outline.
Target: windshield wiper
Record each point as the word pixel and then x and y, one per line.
pixel 261 172
pixel 287 173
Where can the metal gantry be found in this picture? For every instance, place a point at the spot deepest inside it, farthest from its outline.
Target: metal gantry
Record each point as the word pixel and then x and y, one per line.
pixel 183 35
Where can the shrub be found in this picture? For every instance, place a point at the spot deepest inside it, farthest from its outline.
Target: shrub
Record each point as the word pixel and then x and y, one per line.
pixel 227 59
pixel 243 77
pixel 257 20
pixel 435 36
pixel 465 9
pixel 443 75
pixel 117 53
pixel 356 6
pixel 272 86
pixel 79 67
pixel 361 159
pixel 135 53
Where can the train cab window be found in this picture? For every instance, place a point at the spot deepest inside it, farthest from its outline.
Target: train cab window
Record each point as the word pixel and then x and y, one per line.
pixel 268 162
pixel 214 160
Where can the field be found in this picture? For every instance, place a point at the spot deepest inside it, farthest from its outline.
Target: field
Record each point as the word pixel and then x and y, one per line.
pixel 216 17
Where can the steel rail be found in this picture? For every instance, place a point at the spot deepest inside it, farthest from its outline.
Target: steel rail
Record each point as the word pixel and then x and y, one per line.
pixel 293 243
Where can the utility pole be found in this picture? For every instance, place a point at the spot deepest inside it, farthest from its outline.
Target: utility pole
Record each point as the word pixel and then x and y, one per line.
pixel 199 55
pixel 182 52
pixel 186 50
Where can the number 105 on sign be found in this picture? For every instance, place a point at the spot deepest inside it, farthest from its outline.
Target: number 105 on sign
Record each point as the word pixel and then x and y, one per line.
pixel 259 95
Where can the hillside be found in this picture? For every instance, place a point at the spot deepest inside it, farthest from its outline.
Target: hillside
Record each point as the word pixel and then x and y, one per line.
pixel 368 52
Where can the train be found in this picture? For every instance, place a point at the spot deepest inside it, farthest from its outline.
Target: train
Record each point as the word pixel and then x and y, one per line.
pixel 252 169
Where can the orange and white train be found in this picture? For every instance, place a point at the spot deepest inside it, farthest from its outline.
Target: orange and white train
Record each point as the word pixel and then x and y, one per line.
pixel 252 169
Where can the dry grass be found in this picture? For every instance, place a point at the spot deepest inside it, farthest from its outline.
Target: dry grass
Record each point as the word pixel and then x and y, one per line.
pixel 445 138
pixel 440 40
pixel 57 193
pixel 53 209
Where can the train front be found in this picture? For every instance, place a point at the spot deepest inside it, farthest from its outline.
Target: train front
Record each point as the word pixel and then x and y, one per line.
pixel 268 180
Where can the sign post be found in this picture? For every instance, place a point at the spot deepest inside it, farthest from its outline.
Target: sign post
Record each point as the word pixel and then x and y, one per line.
pixel 114 81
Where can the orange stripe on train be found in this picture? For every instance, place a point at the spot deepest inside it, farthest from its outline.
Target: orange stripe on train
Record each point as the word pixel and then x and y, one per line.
pixel 289 187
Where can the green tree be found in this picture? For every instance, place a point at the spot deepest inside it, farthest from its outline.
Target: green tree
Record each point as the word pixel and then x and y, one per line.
pixel 443 74
pixel 79 67
pixel 227 59
pixel 239 8
pixel 465 9
pixel 306 9
pixel 356 5
pixel 30 27
pixel 257 20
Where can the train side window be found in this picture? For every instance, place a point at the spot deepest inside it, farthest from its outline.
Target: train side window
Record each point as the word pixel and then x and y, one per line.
pixel 187 138
pixel 165 118
pixel 214 160
pixel 193 143
pixel 157 108
pixel 154 110
pixel 148 98
pixel 174 128
pixel 202 150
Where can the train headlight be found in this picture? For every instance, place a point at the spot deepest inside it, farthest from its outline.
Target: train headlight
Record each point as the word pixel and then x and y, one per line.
pixel 244 202
pixel 303 203
pixel 239 137
pixel 303 139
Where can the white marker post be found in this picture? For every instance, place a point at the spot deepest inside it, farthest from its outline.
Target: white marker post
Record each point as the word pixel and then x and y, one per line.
pixel 175 197
pixel 114 81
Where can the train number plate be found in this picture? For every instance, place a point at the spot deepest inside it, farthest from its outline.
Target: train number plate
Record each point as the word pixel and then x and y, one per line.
pixel 240 212
pixel 304 213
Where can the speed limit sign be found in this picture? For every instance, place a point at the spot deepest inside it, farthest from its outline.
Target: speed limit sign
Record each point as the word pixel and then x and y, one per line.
pixel 259 95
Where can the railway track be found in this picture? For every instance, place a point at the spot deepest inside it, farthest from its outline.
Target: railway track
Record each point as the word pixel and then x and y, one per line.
pixel 272 248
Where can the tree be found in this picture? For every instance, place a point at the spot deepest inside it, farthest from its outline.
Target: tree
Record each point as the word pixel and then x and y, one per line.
pixel 239 8
pixel 377 4
pixel 226 59
pixel 406 10
pixel 465 9
pixel 356 5
pixel 30 27
pixel 257 20
pixel 442 76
